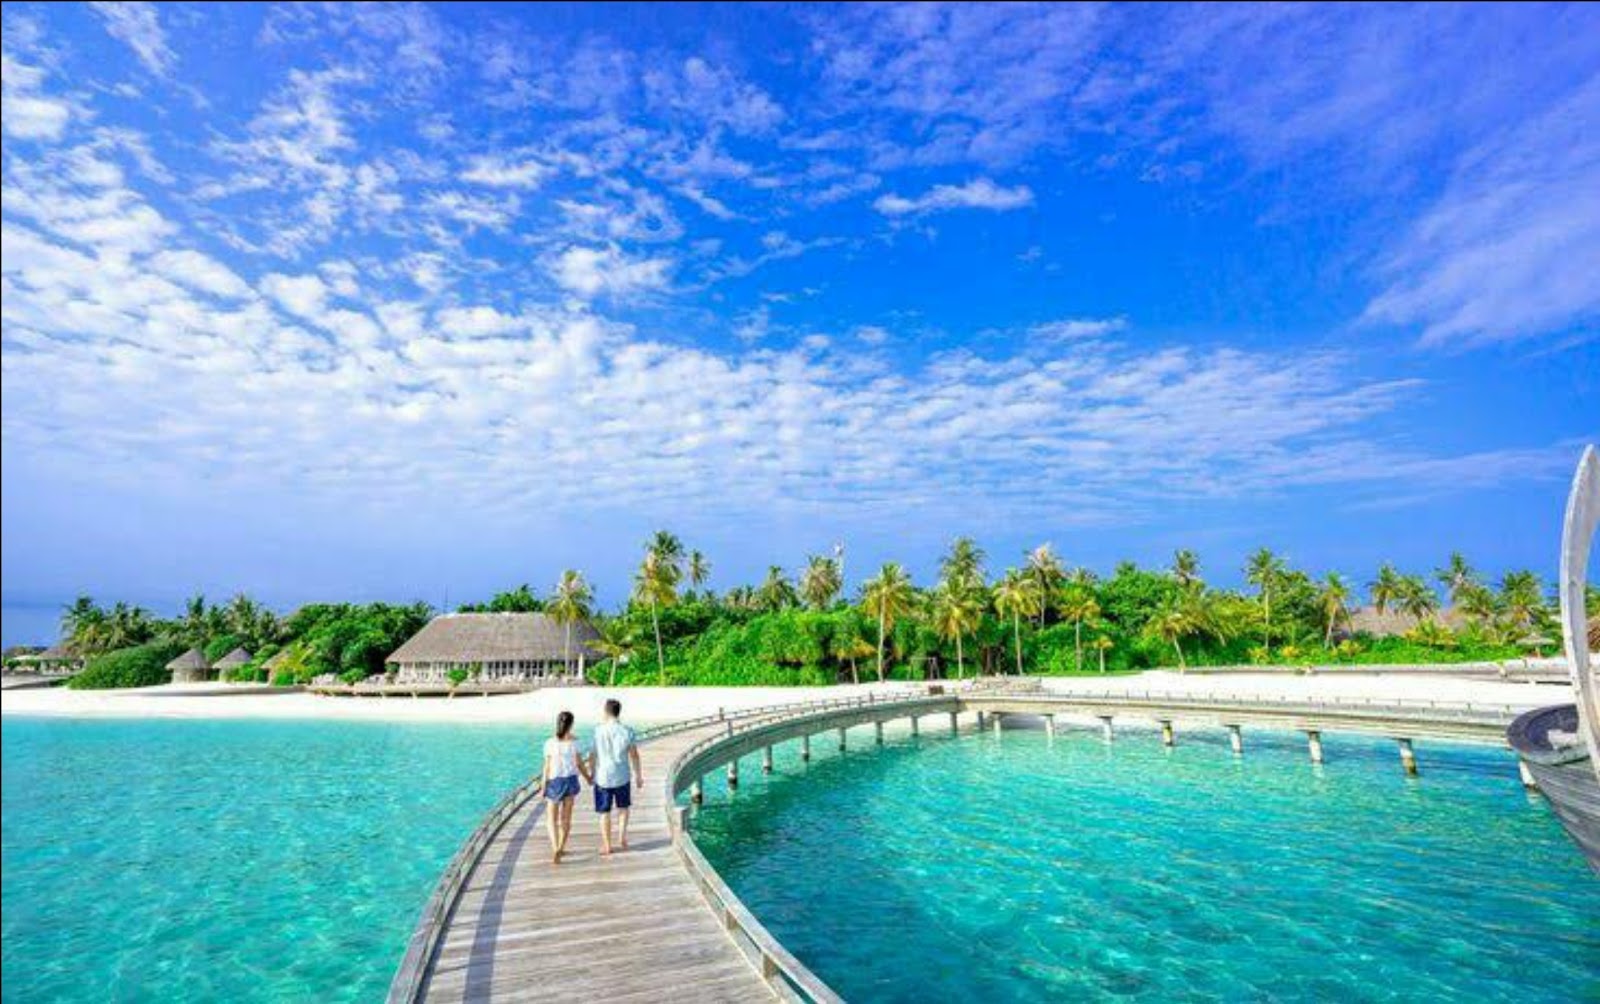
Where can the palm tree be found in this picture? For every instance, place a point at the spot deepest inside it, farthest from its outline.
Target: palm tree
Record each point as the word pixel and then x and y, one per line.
pixel 963 564
pixel 1102 645
pixel 1416 599
pixel 1078 605
pixel 1185 567
pixel 1385 589
pixel 888 597
pixel 956 613
pixel 847 645
pixel 571 602
pixel 1333 599
pixel 1016 596
pixel 776 592
pixel 196 621
pixel 699 570
pixel 83 625
pixel 1456 576
pixel 1045 570
pixel 1478 602
pixel 820 582
pixel 1177 618
pixel 615 642
pixel 669 550
pixel 1262 570
pixel 656 584
pixel 1522 598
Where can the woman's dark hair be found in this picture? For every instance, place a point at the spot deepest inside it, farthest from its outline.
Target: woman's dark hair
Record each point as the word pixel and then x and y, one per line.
pixel 563 724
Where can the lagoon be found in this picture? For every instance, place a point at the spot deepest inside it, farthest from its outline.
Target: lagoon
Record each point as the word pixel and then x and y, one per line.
pixel 239 861
pixel 1019 868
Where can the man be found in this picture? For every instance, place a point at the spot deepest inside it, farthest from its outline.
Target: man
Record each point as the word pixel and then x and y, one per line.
pixel 616 767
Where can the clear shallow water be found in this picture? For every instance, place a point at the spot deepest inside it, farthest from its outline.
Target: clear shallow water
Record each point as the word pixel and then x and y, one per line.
pixel 1017 869
pixel 236 861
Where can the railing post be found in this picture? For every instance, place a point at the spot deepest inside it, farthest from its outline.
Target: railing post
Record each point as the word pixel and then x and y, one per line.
pixel 681 813
pixel 1408 757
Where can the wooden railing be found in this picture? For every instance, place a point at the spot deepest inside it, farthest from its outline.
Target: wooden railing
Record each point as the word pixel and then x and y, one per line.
pixel 409 979
pixel 788 977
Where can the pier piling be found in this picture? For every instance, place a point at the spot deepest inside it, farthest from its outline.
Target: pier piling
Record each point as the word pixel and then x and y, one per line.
pixel 1314 743
pixel 1236 739
pixel 766 760
pixel 1167 738
pixel 1408 757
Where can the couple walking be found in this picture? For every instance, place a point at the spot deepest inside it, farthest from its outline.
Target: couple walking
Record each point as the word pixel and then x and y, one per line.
pixel 611 766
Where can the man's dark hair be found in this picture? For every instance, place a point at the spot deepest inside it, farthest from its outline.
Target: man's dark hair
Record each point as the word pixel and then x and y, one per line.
pixel 614 707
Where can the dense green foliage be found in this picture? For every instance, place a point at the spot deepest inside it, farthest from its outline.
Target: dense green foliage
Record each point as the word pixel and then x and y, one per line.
pixel 137 666
pixel 1041 617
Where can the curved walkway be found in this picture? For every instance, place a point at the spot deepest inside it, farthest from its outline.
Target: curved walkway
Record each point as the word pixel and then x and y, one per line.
pixel 657 923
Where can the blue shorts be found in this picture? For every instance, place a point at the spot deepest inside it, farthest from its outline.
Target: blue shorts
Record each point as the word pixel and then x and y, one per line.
pixel 558 788
pixel 620 797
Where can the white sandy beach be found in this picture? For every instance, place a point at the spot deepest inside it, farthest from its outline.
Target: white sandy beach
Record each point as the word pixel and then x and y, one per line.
pixel 662 704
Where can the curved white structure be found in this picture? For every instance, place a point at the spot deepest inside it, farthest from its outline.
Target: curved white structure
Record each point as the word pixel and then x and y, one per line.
pixel 1577 537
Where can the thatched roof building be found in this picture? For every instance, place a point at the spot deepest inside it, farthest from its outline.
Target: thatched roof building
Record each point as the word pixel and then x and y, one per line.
pixel 1392 622
pixel 506 647
pixel 58 658
pixel 233 660
pixel 190 667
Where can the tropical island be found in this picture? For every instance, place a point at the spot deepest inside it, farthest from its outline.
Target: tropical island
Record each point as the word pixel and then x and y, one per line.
pixel 1041 617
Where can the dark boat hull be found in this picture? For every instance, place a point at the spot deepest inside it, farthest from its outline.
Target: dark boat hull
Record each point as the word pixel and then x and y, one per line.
pixel 1565 775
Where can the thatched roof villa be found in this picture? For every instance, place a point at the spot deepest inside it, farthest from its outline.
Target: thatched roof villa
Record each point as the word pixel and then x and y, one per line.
pixel 58 658
pixel 1393 623
pixel 190 667
pixel 233 660
pixel 510 648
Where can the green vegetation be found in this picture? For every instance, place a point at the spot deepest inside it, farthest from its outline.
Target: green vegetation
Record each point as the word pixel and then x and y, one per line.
pixel 1040 617
pixel 136 666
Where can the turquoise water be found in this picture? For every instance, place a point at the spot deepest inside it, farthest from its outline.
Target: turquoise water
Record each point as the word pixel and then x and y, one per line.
pixel 230 861
pixel 1021 869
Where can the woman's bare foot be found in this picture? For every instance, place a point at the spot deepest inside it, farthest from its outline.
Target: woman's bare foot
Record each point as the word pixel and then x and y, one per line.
pixel 555 856
pixel 605 850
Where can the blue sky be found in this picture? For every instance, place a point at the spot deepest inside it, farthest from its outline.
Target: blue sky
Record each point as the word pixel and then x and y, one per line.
pixel 406 302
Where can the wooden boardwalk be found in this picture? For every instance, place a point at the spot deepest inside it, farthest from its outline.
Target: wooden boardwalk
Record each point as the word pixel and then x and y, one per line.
pixel 633 927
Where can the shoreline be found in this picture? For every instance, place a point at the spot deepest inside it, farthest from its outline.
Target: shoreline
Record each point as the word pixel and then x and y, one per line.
pixel 654 705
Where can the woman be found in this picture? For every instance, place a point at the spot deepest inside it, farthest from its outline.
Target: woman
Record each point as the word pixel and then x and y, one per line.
pixel 559 779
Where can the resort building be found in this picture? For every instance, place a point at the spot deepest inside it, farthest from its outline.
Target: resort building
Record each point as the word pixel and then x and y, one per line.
pixel 1392 623
pixel 504 648
pixel 190 667
pixel 233 660
pixel 57 660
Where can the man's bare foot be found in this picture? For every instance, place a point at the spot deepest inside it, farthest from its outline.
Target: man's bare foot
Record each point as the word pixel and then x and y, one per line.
pixel 623 843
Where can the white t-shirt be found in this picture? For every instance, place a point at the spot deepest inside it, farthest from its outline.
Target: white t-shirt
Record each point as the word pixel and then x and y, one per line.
pixel 612 741
pixel 563 756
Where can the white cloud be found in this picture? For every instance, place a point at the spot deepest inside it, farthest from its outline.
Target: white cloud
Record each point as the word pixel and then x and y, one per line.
pixel 1510 249
pixel 590 271
pixel 200 273
pixel 305 296
pixel 980 193
pixel 713 95
pixel 26 111
pixel 139 26
pixel 500 172
pixel 1078 328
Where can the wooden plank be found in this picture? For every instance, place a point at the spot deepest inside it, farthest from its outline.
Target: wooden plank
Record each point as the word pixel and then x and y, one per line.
pixel 629 927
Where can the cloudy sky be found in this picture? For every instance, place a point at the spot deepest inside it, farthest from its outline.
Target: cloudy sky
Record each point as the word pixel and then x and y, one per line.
pixel 408 302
